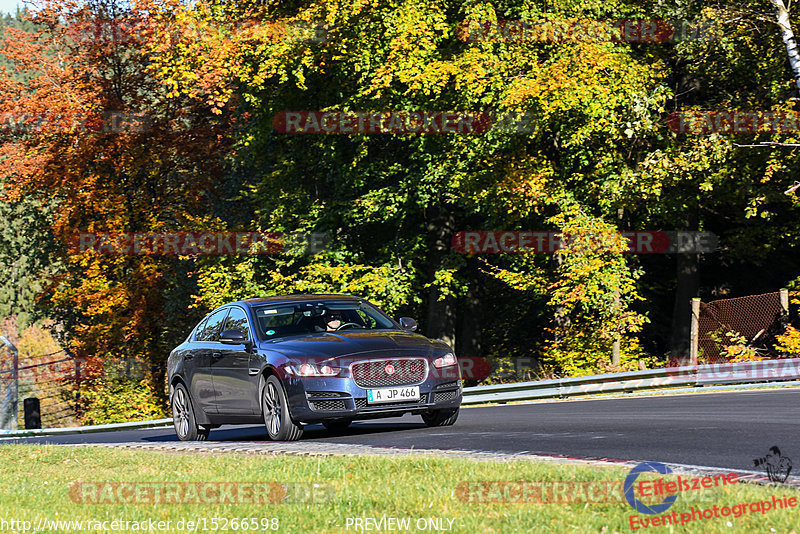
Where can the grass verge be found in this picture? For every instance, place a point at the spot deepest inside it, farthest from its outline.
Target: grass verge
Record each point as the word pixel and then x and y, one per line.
pixel 429 493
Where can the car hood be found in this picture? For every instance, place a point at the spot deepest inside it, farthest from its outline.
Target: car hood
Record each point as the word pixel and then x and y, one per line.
pixel 353 342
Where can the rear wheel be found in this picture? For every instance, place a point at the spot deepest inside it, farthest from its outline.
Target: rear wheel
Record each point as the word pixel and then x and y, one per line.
pixel 440 417
pixel 275 408
pixel 183 417
pixel 337 425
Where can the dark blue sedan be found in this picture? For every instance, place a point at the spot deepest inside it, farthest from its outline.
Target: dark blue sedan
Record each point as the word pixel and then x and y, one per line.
pixel 302 359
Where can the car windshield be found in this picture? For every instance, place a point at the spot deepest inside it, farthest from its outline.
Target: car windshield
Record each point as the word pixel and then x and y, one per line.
pixel 309 317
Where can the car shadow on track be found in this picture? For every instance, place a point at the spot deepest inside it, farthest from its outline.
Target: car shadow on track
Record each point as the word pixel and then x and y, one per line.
pixel 312 432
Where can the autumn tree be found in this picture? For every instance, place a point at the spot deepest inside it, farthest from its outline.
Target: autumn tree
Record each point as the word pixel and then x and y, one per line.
pixel 98 139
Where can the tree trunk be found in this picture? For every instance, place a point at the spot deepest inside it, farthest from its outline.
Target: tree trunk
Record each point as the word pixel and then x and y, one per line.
pixel 561 320
pixel 440 323
pixel 782 15
pixel 688 284
pixel 470 316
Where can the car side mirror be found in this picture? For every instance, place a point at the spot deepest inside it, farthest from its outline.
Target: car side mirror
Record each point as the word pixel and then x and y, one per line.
pixel 234 336
pixel 407 323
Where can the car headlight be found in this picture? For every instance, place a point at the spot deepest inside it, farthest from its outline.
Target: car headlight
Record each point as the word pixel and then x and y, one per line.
pixel 445 361
pixel 312 370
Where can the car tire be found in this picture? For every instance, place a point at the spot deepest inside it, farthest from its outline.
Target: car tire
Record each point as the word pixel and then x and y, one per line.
pixel 337 425
pixel 440 417
pixel 275 410
pixel 183 418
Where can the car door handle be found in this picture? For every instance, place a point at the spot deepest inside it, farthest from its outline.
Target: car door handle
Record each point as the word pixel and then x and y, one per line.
pixel 188 356
pixel 216 355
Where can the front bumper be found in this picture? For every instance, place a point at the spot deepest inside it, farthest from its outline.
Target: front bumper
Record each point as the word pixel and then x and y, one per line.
pixel 314 400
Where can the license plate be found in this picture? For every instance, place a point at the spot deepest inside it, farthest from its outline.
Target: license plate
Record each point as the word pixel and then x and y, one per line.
pixel 377 396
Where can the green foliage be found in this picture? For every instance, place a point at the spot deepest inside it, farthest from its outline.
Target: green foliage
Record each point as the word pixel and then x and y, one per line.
pixel 587 349
pixel 388 286
pixel 106 401
pixel 592 291
pixel 28 256
pixel 735 347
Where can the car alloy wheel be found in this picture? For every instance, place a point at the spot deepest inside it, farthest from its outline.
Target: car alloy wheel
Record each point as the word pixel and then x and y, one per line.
pixel 279 425
pixel 183 417
pixel 440 417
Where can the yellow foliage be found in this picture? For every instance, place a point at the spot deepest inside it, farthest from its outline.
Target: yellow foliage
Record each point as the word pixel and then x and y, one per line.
pixel 587 351
pixel 789 342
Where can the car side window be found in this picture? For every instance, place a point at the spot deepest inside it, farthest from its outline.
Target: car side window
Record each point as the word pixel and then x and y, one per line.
pixel 198 331
pixel 213 326
pixel 238 319
pixel 367 320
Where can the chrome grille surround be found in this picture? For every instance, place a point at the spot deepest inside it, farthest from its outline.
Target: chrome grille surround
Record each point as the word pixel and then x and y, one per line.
pixel 372 373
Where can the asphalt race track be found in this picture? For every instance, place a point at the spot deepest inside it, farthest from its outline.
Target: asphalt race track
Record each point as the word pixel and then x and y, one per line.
pixel 724 430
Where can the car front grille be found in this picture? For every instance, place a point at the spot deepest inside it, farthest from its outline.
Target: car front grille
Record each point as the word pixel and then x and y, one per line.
pixel 389 373
pixel 442 396
pixel 327 405
pixel 362 402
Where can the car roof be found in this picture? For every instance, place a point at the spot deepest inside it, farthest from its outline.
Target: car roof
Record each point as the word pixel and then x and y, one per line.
pixel 287 299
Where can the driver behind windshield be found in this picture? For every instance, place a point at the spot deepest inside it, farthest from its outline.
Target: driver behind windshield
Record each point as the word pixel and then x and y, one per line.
pixel 333 320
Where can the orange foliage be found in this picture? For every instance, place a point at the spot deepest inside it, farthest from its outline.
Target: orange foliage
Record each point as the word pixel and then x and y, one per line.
pixel 153 172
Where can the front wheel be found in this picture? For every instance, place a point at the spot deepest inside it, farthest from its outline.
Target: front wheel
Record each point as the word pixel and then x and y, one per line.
pixel 440 417
pixel 279 425
pixel 183 417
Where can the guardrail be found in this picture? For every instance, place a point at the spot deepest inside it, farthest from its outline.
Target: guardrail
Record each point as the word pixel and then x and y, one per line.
pixel 765 372
pixel 134 425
